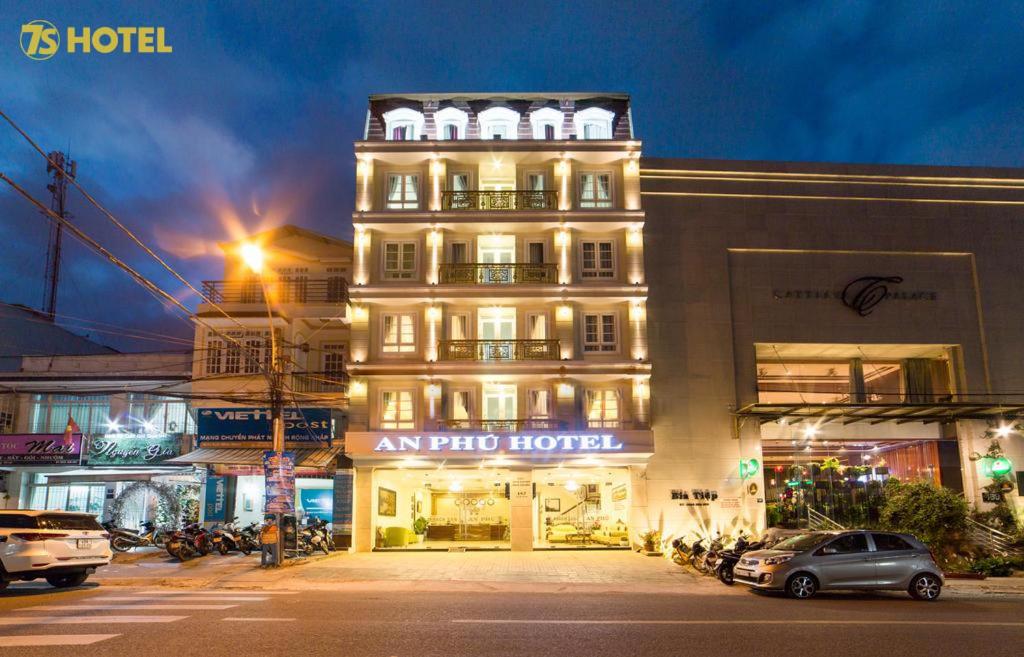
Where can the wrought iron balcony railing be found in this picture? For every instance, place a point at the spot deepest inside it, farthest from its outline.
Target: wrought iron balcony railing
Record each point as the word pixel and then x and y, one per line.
pixel 528 424
pixel 498 273
pixel 320 382
pixel 294 290
pixel 498 350
pixel 513 199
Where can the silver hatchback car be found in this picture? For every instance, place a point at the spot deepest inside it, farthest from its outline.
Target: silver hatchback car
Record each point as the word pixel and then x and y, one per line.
pixel 860 559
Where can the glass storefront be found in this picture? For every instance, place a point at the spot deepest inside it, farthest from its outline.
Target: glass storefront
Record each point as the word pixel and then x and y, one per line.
pixel 455 508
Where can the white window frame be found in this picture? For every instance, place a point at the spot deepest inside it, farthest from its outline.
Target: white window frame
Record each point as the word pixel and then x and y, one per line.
pixel 595 203
pixel 466 328
pixel 543 173
pixel 403 116
pixel 400 274
pixel 400 347
pixel 543 117
pixel 467 252
pixel 593 116
pixel 530 317
pixel 543 248
pixel 603 422
pixel 451 116
pixel 403 203
pixel 601 345
pixel 398 423
pixel 332 350
pixel 530 415
pixel 461 172
pixel 495 116
pixel 470 402
pixel 598 272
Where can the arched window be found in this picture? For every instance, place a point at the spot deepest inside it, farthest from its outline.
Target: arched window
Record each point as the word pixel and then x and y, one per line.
pixel 546 123
pixel 451 123
pixel 403 124
pixel 593 123
pixel 499 123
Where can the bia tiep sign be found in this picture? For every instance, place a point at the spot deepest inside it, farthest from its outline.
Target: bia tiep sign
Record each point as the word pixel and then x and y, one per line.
pixel 584 442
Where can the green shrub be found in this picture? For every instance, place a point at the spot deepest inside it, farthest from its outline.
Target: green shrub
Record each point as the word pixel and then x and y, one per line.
pixel 935 515
pixel 993 566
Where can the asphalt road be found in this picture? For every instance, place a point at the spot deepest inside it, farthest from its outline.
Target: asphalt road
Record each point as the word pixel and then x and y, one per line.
pixel 113 621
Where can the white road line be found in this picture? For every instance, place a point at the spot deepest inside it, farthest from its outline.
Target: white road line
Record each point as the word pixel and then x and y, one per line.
pixel 84 620
pixel 525 621
pixel 146 607
pixel 179 593
pixel 53 639
pixel 257 620
pixel 198 598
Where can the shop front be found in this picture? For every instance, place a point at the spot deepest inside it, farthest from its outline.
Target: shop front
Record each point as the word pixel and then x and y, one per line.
pixel 498 491
pixel 231 444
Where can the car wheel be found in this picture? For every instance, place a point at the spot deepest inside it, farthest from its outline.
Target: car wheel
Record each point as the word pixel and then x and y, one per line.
pixel 925 587
pixel 66 581
pixel 3 584
pixel 725 575
pixel 801 586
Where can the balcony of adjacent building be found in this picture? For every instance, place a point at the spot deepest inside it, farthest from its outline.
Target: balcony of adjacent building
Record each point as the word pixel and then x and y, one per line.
pixel 498 350
pixel 536 424
pixel 330 382
pixel 324 297
pixel 478 200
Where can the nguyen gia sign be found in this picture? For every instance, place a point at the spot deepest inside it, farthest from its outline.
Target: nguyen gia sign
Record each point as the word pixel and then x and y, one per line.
pixel 484 443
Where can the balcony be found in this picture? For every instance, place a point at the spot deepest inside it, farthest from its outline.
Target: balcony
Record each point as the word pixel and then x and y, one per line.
pixel 498 350
pixel 322 382
pixel 499 200
pixel 316 290
pixel 472 273
pixel 529 424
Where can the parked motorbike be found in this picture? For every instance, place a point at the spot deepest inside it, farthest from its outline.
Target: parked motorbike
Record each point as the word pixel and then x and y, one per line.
pixel 228 538
pixel 680 552
pixel 697 551
pixel 711 557
pixel 191 541
pixel 729 558
pixel 311 540
pixel 123 539
pixel 319 526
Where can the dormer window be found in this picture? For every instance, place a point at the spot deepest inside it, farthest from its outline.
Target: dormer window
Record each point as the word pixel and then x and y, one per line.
pixel 593 123
pixel 451 123
pixel 499 123
pixel 546 123
pixel 403 124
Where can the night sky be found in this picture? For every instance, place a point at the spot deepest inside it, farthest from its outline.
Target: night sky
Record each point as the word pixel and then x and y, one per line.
pixel 250 122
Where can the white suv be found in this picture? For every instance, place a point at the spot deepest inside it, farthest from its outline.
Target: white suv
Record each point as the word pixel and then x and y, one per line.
pixel 64 548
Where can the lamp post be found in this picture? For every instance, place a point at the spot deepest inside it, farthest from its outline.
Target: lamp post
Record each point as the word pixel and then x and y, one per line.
pixel 253 257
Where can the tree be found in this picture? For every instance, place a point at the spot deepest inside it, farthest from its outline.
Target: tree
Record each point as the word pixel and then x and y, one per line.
pixel 936 515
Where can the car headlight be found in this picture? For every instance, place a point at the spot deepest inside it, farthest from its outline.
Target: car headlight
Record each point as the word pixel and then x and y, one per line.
pixel 774 561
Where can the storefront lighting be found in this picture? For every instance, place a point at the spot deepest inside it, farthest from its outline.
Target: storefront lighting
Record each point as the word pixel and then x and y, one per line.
pixel 572 486
pixel 564 312
pixel 357 388
pixel 433 313
pixel 749 468
pixel 1000 466
pixel 1004 430
pixel 113 426
pixel 360 313
pixel 148 426
pixel 810 431
pixel 566 390
pixel 455 486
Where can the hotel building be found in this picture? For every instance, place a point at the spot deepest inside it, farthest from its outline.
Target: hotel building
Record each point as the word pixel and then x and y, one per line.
pixel 499 392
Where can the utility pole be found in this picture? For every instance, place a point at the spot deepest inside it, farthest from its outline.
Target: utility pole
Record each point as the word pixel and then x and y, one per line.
pixel 61 170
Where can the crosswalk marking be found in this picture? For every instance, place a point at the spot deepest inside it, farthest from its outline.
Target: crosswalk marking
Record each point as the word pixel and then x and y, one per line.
pixel 146 607
pixel 53 639
pixel 83 620
pixel 198 598
pixel 256 620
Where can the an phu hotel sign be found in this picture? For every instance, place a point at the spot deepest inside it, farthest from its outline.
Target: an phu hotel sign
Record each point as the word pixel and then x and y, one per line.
pixel 513 443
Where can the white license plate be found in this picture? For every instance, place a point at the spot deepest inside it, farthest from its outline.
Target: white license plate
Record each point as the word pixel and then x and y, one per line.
pixel 84 543
pixel 743 572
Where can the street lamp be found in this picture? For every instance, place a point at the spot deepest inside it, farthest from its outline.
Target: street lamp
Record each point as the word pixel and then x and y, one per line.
pixel 253 257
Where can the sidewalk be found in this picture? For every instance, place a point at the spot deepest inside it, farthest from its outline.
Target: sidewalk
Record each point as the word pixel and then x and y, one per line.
pixel 545 572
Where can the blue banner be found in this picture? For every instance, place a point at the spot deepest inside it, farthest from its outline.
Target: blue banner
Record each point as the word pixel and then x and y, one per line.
pixel 317 503
pixel 239 425
pixel 216 498
pixel 279 471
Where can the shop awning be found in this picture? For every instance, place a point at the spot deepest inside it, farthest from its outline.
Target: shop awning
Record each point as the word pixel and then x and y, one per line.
pixel 304 458
pixel 95 475
pixel 927 412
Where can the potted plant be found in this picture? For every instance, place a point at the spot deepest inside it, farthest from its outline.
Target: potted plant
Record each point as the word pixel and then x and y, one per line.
pixel 651 542
pixel 419 527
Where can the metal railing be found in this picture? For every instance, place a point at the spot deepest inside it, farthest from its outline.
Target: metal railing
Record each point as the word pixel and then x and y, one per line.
pixel 320 382
pixel 991 539
pixel 516 199
pixel 498 273
pixel 498 350
pixel 294 290
pixel 534 424
pixel 820 522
